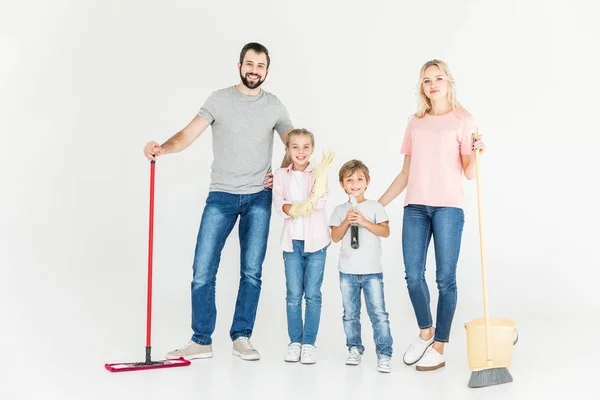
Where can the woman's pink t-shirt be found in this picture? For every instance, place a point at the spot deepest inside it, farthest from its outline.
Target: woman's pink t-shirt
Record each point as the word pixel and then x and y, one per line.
pixel 435 144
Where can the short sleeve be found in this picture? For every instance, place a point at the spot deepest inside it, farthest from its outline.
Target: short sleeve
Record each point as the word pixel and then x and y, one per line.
pixel 468 128
pixel 208 109
pixel 407 142
pixel 380 214
pixel 335 219
pixel 284 123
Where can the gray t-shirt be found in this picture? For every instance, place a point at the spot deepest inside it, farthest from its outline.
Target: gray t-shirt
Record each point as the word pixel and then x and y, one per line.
pixel 367 258
pixel 243 128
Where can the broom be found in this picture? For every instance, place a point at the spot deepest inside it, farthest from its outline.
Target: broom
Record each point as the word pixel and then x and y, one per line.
pixel 490 375
pixel 148 363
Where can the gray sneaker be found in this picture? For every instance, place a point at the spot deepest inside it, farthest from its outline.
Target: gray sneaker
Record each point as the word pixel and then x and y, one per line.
pixel 354 356
pixel 244 349
pixel 384 364
pixel 191 351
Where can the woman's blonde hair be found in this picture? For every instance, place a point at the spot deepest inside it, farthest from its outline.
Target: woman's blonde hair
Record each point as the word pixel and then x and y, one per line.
pixel 298 132
pixel 423 103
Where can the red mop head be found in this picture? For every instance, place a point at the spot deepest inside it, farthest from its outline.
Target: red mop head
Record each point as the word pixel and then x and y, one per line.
pixel 138 366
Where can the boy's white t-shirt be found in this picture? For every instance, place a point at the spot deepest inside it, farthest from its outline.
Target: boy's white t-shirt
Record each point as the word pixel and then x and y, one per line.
pixel 297 192
pixel 367 258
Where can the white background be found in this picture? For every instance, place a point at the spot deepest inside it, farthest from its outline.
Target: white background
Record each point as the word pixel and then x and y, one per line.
pixel 85 84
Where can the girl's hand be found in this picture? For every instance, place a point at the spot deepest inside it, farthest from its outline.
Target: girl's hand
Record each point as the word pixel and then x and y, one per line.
pixel 286 208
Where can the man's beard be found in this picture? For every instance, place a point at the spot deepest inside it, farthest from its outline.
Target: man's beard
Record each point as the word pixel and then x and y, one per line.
pixel 250 85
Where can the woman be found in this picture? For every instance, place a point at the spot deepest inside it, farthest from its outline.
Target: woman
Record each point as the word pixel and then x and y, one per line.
pixel 439 146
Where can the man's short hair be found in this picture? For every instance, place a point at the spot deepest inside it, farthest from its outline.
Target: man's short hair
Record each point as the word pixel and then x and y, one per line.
pixel 258 48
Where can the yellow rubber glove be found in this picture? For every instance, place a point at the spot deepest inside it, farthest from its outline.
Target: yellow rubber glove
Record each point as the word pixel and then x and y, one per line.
pixel 320 188
pixel 296 210
pixel 322 169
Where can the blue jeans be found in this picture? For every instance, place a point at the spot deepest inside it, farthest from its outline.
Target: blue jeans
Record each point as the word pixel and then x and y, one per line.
pixel 303 276
pixel 445 224
pixel 372 284
pixel 219 216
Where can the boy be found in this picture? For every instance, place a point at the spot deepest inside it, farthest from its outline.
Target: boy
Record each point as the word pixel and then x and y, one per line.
pixel 360 266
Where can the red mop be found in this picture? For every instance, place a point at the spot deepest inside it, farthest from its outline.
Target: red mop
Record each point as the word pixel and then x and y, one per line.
pixel 148 364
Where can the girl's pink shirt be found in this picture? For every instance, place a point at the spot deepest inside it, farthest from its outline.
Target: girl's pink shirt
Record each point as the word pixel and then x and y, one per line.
pixel 316 228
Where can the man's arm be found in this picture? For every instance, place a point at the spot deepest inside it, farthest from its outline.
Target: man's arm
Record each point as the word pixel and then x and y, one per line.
pixel 178 142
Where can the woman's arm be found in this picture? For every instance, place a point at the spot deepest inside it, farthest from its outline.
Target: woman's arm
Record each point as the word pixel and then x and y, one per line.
pixel 468 161
pixel 398 185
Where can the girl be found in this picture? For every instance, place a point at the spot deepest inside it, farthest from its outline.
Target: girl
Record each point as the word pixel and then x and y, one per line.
pixel 439 146
pixel 299 193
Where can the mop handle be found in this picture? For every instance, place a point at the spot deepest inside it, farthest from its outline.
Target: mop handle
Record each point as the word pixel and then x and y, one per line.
pixel 150 248
pixel 482 252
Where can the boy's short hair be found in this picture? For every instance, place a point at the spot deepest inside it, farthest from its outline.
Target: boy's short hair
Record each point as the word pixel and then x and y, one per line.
pixel 353 166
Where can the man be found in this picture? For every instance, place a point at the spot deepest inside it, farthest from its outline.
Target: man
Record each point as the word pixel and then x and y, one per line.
pixel 243 118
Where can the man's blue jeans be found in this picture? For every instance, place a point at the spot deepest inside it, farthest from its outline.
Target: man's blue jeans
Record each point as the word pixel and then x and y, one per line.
pixel 218 219
pixel 445 224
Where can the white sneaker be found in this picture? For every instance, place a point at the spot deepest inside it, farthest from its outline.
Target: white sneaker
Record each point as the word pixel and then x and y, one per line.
pixel 353 356
pixel 309 355
pixel 293 353
pixel 416 350
pixel 431 361
pixel 192 350
pixel 384 364
pixel 244 349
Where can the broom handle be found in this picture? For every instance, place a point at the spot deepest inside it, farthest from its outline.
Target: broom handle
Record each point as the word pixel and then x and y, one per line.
pixel 150 248
pixel 482 252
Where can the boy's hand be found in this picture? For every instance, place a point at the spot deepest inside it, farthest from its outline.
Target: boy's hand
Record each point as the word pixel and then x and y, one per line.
pixel 355 217
pixel 348 216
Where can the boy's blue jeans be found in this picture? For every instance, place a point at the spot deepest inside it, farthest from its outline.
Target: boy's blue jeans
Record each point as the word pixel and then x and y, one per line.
pixel 372 285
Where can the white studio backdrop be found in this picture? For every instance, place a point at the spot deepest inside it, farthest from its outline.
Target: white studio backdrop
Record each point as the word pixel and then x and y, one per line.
pixel 85 84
